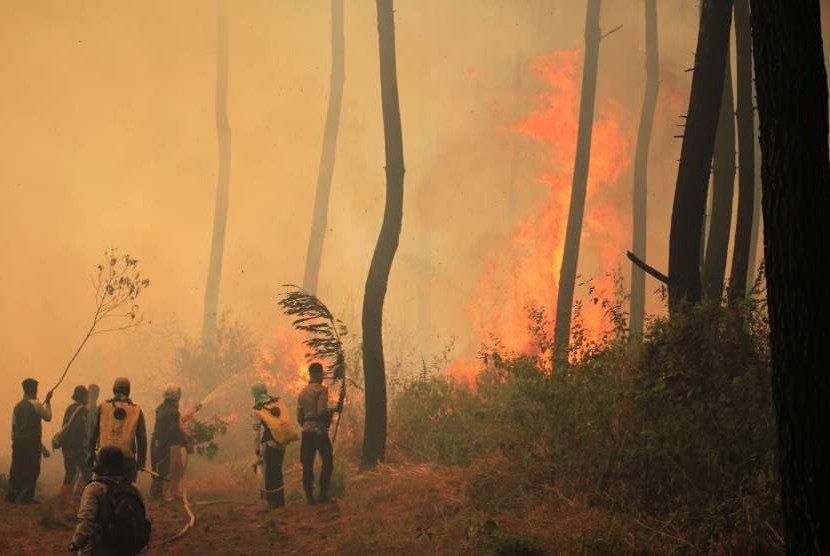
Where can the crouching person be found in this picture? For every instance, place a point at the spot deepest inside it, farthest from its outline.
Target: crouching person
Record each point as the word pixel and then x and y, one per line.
pixel 112 518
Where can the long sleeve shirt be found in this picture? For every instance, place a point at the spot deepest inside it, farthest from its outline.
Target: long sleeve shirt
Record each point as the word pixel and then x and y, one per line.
pixel 140 442
pixel 87 529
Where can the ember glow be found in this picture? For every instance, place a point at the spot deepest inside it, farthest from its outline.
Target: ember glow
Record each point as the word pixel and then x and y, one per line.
pixel 283 366
pixel 524 272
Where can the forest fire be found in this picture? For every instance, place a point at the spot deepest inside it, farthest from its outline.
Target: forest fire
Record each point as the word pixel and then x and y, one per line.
pixel 283 366
pixel 524 273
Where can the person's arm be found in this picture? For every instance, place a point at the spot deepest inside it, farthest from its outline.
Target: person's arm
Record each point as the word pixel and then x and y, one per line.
pixel 44 410
pixel 141 440
pixel 94 432
pixel 87 515
pixel 256 423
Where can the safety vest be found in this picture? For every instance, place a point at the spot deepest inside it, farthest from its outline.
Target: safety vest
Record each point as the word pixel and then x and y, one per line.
pixel 282 427
pixel 119 421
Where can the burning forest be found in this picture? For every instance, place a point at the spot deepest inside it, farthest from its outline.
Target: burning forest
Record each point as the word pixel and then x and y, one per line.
pixel 415 277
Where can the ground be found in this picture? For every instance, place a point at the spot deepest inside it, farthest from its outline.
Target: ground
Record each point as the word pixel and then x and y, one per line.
pixel 400 509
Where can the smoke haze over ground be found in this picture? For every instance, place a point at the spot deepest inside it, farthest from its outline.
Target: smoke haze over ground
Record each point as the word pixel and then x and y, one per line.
pixel 109 137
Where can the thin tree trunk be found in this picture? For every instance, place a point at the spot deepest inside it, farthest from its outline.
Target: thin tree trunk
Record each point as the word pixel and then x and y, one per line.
pixel 723 190
pixel 746 154
pixel 638 277
pixel 329 151
pixel 220 216
pixel 374 440
pixel 697 150
pixel 791 84
pixel 576 212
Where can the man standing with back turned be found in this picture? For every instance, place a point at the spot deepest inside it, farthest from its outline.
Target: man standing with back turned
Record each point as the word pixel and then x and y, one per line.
pixel 27 431
pixel 120 423
pixel 314 416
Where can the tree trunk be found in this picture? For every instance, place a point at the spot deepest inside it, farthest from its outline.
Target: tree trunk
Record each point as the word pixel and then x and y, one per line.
pixel 576 212
pixel 723 189
pixel 329 151
pixel 220 216
pixel 791 85
pixel 697 150
pixel 374 440
pixel 638 277
pixel 746 154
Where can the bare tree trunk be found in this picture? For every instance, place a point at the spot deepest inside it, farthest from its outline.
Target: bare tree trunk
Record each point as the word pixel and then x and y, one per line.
pixel 697 150
pixel 220 216
pixel 638 277
pixel 723 190
pixel 576 212
pixel 746 154
pixel 329 151
pixel 374 439
pixel 791 84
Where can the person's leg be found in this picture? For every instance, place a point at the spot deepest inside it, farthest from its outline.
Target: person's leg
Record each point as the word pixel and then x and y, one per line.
pixel 327 457
pixel 70 467
pixel 15 471
pixel 31 471
pixel 307 449
pixel 274 487
pixel 161 465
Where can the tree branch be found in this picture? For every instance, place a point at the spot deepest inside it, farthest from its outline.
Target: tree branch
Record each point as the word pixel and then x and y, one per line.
pixel 647 268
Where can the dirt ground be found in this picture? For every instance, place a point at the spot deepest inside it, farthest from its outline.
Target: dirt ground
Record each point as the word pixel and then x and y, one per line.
pixel 403 509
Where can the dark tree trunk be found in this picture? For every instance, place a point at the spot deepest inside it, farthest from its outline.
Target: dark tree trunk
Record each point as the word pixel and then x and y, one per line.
pixel 697 150
pixel 220 217
pixel 374 440
pixel 638 277
pixel 791 85
pixel 746 154
pixel 723 189
pixel 576 212
pixel 329 151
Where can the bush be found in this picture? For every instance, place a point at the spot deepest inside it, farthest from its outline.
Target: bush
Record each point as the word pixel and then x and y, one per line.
pixel 678 428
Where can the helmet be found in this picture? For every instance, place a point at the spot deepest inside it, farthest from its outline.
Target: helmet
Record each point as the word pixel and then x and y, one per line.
pixel 315 371
pixel 172 392
pixel 121 386
pixel 110 461
pixel 81 394
pixel 259 392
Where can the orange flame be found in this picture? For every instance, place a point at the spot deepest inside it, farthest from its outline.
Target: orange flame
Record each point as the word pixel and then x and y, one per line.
pixel 525 272
pixel 283 366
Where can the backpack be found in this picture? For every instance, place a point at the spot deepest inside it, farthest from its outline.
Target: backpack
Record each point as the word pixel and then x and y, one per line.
pixel 123 520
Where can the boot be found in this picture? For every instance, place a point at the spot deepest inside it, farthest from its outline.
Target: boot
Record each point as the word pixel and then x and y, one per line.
pixel 309 496
pixel 64 494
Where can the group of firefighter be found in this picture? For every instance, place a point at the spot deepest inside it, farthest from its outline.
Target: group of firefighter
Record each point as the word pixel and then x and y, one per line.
pixel 104 447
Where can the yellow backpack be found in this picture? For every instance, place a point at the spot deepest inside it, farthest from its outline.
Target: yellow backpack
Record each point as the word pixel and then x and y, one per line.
pixel 275 416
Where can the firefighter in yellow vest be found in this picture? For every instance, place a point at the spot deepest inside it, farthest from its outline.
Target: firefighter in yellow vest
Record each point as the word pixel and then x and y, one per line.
pixel 120 423
pixel 273 430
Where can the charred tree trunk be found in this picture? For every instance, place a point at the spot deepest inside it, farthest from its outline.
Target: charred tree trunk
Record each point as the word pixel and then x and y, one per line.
pixel 374 439
pixel 697 150
pixel 746 155
pixel 576 212
pixel 220 217
pixel 638 277
pixel 723 189
pixel 329 151
pixel 791 85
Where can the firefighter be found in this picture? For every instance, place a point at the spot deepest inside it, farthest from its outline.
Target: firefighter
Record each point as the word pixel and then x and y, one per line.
pixel 120 422
pixel 273 431
pixel 314 415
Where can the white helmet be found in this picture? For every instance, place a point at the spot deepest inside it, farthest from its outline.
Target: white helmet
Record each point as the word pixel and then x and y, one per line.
pixel 172 392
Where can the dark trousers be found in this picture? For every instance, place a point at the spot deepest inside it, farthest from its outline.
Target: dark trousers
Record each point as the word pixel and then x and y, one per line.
pixel 74 463
pixel 25 469
pixel 273 488
pixel 311 444
pixel 161 465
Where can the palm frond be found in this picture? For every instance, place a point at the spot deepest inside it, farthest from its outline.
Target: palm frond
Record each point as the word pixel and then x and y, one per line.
pixel 324 331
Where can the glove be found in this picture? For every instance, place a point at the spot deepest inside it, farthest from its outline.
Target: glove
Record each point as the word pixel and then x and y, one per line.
pixel 48 398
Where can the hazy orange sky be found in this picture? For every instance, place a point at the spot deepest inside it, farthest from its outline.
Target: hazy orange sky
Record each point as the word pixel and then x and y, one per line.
pixel 109 140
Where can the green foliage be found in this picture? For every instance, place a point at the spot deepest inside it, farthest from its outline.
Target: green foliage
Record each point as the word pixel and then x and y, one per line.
pixel 203 434
pixel 679 428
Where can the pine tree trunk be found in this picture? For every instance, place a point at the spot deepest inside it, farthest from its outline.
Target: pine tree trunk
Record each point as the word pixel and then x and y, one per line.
pixel 576 212
pixel 220 217
pixel 329 151
pixel 791 85
pixel 374 440
pixel 638 276
pixel 696 152
pixel 746 154
pixel 723 190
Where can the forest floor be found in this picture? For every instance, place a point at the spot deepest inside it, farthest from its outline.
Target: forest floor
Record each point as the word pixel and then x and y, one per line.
pixel 404 509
